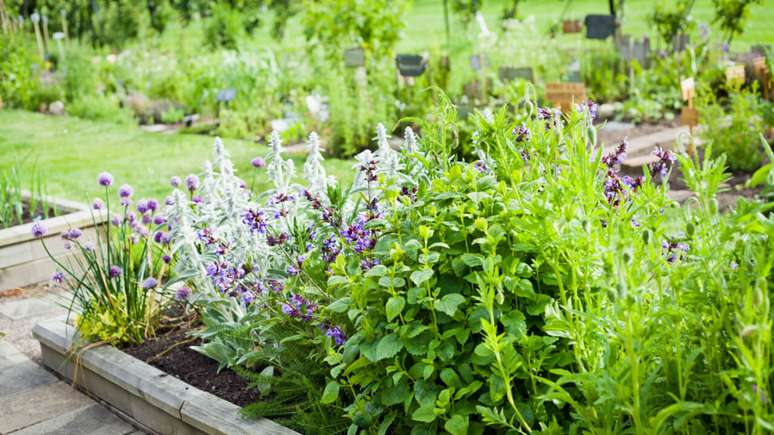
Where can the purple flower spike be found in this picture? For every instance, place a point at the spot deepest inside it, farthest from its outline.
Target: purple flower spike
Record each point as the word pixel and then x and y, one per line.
pixel 258 162
pixel 97 204
pixel 174 181
pixel 591 106
pixel 105 179
pixel 664 163
pixel 192 182
pixel 38 230
pixel 522 133
pixel 114 271
pixel 150 283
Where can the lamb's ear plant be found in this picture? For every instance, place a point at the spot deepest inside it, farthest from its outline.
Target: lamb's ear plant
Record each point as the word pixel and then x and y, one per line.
pixel 120 278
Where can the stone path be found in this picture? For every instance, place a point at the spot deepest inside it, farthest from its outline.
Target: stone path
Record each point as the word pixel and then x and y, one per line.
pixel 32 399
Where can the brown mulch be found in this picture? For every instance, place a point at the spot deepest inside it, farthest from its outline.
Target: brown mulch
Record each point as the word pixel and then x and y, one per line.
pixel 192 367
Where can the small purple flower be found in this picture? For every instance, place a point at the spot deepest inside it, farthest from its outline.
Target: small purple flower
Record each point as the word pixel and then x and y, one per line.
pixel 368 264
pixel 664 163
pixel 258 162
pixel 88 246
pixel 166 258
pixel 38 230
pixel 150 283
pixel 256 220
pixel 125 191
pixel 356 234
pixel 522 133
pixel 159 220
pixel 617 157
pixel 169 201
pixel 481 166
pixel 125 202
pixel 153 205
pixel 197 199
pixel 146 219
pixel 157 236
pixel 182 293
pixel 591 106
pixel 278 240
pixel 105 179
pixel 58 277
pixel 335 333
pixel 115 220
pixel 72 234
pixel 174 181
pixel 733 265
pixel 114 271
pixel 97 204
pixel 552 117
pixel 369 169
pixel 192 182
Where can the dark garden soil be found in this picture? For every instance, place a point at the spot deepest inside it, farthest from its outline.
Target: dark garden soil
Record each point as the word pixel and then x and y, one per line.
pixel 192 367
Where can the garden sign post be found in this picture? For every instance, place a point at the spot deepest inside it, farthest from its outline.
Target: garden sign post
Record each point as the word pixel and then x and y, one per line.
pixel 564 95
pixel 688 115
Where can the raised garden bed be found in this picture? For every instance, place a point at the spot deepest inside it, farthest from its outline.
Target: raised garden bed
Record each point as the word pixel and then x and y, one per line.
pixel 23 261
pixel 154 399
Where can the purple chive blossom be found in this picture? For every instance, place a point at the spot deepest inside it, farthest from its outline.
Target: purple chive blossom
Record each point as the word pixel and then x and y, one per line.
pixel 105 179
pixel 142 206
pixel 114 271
pixel 131 217
pixel 591 106
pixel 521 133
pixel 72 234
pixel 150 283
pixel 664 163
pixel 256 220
pixel 97 204
pixel 182 293
pixel 174 181
pixel 88 246
pixel 166 258
pixel 169 200
pixel 125 191
pixel 115 220
pixel 258 162
pixel 58 277
pixel 153 205
pixel 159 220
pixel 125 202
pixel 146 219
pixel 617 157
pixel 197 199
pixel 192 182
pixel 38 230
pixel 157 236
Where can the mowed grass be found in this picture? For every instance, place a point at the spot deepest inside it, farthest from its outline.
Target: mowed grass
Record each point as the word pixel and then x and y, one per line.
pixel 425 23
pixel 69 153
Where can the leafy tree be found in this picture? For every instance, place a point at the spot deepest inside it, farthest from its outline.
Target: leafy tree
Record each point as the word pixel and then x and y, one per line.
pixel 731 14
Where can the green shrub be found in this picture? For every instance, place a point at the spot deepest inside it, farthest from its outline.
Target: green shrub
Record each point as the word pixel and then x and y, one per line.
pixel 735 130
pixel 99 107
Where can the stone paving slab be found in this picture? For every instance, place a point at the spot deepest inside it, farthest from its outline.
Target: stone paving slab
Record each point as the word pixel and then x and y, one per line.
pixel 39 404
pixel 90 420
pixel 9 356
pixel 22 377
pixel 26 308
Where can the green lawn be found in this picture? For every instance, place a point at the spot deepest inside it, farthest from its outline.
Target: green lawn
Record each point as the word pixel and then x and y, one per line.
pixel 426 26
pixel 70 152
